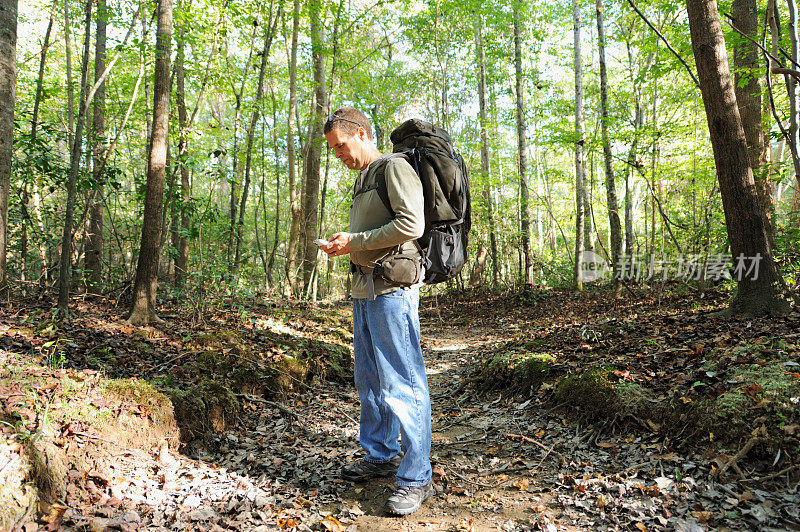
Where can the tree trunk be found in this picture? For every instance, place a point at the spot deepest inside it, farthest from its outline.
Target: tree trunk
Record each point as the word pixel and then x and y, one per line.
pixel 614 227
pixel 633 155
pixel 761 291
pixel 68 66
pixel 8 82
pixel 775 166
pixel 25 200
pixel 588 214
pixel 485 162
pixel 185 125
pixel 94 247
pixel 269 33
pixel 476 274
pixel 580 163
pixel 748 97
pixel 233 243
pixel 311 162
pixel 182 259
pixel 144 289
pixel 522 148
pixel 271 262
pixel 294 229
pixel 65 265
pixel 791 93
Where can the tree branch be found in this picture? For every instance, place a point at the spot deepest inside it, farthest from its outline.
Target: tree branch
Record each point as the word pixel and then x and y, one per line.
pixel 789 71
pixel 764 50
pixel 669 46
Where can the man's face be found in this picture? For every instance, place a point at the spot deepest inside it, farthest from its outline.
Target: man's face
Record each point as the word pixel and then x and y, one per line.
pixel 351 149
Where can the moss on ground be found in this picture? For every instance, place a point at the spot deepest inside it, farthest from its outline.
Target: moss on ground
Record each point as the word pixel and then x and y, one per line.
pixel 771 393
pixel 764 397
pixel 593 391
pixel 42 407
pixel 201 410
pixel 517 366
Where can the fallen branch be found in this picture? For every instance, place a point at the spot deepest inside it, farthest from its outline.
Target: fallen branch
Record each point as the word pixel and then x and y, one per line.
pixel 273 404
pixel 773 475
pixel 756 438
pixel 465 479
pixel 543 446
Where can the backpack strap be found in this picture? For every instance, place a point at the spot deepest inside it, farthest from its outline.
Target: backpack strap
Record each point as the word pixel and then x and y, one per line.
pixel 380 179
pixel 383 191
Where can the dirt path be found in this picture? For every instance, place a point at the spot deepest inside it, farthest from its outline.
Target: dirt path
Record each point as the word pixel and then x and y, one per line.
pixel 502 463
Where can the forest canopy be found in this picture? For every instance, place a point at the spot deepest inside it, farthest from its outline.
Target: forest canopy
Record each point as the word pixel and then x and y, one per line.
pixel 577 118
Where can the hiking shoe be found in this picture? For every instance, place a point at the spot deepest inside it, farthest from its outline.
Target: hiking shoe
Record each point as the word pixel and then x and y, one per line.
pixel 407 499
pixel 362 469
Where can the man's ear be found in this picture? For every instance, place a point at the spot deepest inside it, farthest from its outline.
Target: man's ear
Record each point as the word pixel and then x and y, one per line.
pixel 361 133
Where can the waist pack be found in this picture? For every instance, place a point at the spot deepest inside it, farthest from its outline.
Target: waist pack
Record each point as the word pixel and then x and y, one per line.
pixel 445 186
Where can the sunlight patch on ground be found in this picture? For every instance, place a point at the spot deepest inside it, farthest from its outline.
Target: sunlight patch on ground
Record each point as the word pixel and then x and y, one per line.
pixel 442 367
pixel 275 326
pixel 449 347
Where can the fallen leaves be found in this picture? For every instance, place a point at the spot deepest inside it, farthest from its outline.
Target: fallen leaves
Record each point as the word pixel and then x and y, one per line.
pixel 287 522
pixel 332 524
pixel 522 484
pixel 702 516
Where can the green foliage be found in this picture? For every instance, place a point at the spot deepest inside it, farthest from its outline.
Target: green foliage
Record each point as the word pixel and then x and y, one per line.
pixel 394 60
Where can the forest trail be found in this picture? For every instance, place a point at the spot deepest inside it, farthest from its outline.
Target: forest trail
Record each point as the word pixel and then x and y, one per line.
pixel 501 464
pixel 502 460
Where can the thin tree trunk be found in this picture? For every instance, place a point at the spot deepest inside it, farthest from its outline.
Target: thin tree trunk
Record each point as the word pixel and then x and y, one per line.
pixel 8 81
pixel 485 162
pixel 522 148
pixel 182 258
pixel 580 165
pixel 614 226
pixel 185 125
pixel 294 230
pixel 775 155
pixel 232 214
pixel 271 262
pixel 758 293
pixel 791 93
pixel 65 266
pixel 68 66
pixel 588 194
pixel 476 274
pixel 26 217
pixel 633 155
pixel 269 33
pixel 313 152
pixel 94 247
pixel 146 283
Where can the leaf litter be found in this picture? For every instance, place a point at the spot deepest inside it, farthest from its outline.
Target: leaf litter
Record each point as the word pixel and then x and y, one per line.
pixel 503 460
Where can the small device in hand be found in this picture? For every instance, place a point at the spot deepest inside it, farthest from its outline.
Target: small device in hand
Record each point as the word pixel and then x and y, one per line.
pixel 320 242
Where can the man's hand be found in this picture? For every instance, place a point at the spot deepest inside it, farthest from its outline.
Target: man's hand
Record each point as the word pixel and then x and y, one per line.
pixel 338 244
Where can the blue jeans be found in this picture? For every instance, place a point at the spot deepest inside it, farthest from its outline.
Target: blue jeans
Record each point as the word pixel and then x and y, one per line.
pixel 392 385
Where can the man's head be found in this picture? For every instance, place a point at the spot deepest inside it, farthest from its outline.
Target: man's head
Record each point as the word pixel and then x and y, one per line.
pixel 349 134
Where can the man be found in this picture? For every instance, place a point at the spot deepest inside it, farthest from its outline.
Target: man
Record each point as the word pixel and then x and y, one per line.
pixel 389 369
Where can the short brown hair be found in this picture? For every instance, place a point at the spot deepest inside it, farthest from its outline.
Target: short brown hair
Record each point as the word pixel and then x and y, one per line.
pixel 348 120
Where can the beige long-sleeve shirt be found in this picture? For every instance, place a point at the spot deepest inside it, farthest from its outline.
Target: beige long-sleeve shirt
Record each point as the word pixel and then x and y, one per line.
pixel 374 234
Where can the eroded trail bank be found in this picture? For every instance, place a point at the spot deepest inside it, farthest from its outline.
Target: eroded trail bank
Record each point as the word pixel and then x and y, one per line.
pixel 511 450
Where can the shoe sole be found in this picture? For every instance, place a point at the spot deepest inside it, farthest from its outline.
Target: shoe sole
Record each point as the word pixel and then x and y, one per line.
pixel 410 510
pixel 404 512
pixel 355 478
